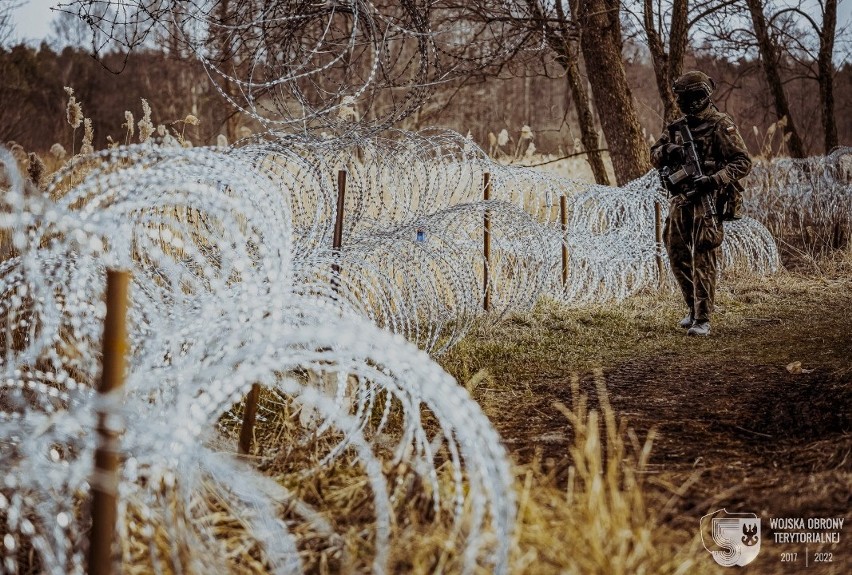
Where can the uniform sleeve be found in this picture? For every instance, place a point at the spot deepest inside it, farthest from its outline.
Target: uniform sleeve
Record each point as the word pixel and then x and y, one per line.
pixel 733 151
pixel 657 150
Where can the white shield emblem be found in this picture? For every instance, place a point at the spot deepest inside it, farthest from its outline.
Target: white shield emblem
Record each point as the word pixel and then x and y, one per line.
pixel 731 538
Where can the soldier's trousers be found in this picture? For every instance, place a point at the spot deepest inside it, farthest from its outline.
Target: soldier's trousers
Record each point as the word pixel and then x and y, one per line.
pixel 694 269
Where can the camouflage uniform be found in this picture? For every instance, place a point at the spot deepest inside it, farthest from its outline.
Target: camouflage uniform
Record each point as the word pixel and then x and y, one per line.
pixel 726 160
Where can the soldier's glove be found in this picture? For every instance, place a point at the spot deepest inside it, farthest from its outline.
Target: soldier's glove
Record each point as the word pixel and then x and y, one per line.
pixel 674 154
pixel 706 184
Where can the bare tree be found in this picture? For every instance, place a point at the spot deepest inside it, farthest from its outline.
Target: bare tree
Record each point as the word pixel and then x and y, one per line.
pixel 301 63
pixel 770 57
pixel 601 43
pixel 562 36
pixel 826 71
pixel 666 25
pixel 813 49
pixel 668 62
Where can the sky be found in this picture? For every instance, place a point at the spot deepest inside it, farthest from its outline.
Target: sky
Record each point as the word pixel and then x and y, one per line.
pixel 34 17
pixel 33 20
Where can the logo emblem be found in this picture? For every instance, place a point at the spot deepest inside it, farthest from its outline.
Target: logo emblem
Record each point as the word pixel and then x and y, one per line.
pixel 731 538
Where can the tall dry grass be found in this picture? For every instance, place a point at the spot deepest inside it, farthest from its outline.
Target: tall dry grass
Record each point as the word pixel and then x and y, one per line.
pixel 601 520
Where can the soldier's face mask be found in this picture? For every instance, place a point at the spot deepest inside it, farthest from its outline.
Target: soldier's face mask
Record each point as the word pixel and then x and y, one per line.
pixel 692 101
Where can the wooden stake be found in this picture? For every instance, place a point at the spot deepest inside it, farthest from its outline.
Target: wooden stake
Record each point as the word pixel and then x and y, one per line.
pixel 250 412
pixel 337 238
pixel 563 219
pixel 105 484
pixel 486 285
pixel 249 417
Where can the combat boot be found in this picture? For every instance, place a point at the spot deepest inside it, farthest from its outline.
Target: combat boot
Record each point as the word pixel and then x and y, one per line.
pixel 699 328
pixel 687 322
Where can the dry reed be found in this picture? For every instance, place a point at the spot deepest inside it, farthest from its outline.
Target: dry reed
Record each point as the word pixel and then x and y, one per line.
pixel 599 519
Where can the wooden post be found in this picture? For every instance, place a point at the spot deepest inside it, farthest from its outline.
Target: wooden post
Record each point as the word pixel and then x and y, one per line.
pixel 249 417
pixel 250 411
pixel 337 238
pixel 563 220
pixel 105 484
pixel 658 232
pixel 486 284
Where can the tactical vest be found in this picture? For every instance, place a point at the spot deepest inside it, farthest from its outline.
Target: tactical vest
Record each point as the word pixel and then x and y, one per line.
pixel 704 133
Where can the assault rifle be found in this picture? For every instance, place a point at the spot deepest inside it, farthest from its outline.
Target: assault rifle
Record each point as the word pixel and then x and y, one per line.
pixel 683 180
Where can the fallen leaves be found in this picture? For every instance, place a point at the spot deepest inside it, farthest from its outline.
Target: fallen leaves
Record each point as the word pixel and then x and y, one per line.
pixel 796 368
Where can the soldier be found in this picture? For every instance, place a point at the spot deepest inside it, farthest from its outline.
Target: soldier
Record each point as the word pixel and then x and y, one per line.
pixel 691 236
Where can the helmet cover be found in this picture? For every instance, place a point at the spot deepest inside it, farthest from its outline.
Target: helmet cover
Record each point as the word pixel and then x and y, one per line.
pixel 693 90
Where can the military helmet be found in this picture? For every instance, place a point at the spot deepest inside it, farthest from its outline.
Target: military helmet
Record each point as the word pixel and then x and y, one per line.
pixel 694 80
pixel 693 90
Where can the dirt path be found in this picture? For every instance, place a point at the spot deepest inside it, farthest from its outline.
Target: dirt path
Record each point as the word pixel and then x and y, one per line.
pixel 735 428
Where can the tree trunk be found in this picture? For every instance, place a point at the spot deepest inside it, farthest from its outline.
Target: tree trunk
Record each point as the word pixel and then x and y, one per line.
pixel 661 65
pixel 600 42
pixel 826 74
pixel 588 133
pixel 562 41
pixel 678 38
pixel 769 57
pixel 667 66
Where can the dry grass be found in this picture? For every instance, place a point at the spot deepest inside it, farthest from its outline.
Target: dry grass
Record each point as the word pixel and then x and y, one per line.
pixel 599 521
pixel 584 508
pixel 552 337
pixel 775 429
pixel 597 502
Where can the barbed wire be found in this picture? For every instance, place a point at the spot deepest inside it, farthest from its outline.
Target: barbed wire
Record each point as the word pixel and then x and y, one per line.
pixel 236 283
pixel 216 309
pixel 804 202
